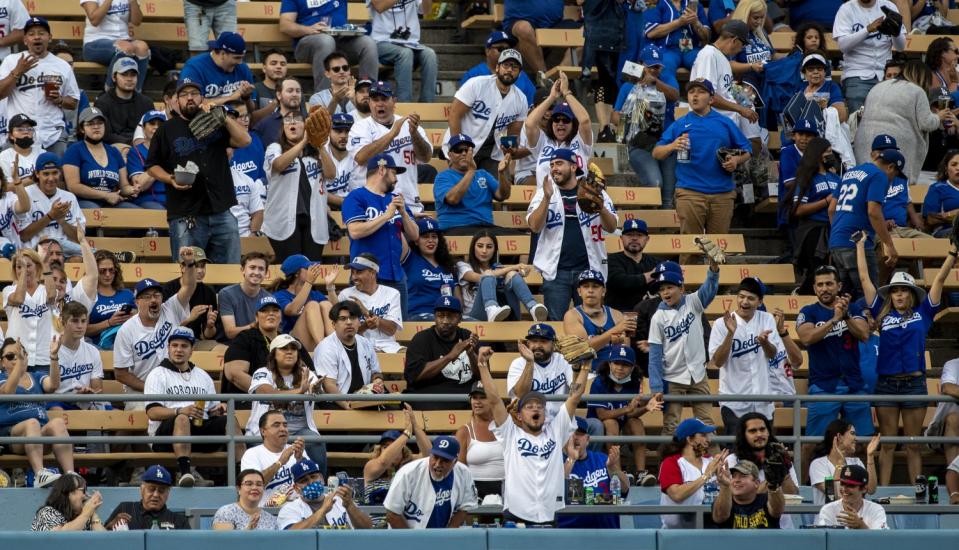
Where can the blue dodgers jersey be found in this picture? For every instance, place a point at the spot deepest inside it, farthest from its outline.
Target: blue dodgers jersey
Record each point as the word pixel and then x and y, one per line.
pixel 310 12
pixel 835 356
pixel 902 338
pixel 592 470
pixel 707 134
pixel 861 185
pixel 106 306
pixel 897 200
pixel 425 282
pixel 603 385
pixel 212 80
pixel 822 186
pixel 386 244
pixel 285 297
pixel 443 507
pixel 249 160
pixel 476 206
pixel 14 412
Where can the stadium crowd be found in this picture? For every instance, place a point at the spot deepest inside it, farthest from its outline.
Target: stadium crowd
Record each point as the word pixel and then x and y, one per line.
pixel 698 95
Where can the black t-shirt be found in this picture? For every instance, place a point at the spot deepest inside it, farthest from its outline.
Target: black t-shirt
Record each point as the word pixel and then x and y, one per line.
pixel 251 346
pixel 356 375
pixel 212 191
pixel 573 256
pixel 304 191
pixel 204 295
pixel 456 377
pixel 141 519
pixel 754 515
pixel 626 284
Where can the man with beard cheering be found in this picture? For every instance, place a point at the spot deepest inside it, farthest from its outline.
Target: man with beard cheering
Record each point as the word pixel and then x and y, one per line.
pixel 539 368
pixel 199 213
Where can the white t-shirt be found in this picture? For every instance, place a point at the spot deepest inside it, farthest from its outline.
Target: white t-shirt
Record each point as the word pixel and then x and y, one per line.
pixel 332 361
pixel 31 323
pixel 297 510
pixel 78 367
pixel 954 466
pixel 489 111
pixel 249 199
pixel 688 472
pixel 28 97
pixel 25 165
pixel 747 369
pixel 13 16
pixel 114 24
pixel 141 348
pixel 864 54
pixel 553 378
pixel 384 303
pixel 534 486
pixel 819 470
pixel 193 384
pixel 343 183
pixel 367 131
pixel 263 377
pixel 873 514
pixel 40 205
pixel 281 486
pixel 403 13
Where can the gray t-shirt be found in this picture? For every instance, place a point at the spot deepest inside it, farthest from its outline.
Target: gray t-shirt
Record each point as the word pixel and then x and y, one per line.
pixel 233 301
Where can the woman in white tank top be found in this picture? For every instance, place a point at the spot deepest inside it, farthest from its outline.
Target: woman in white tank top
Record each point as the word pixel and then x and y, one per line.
pixel 479 448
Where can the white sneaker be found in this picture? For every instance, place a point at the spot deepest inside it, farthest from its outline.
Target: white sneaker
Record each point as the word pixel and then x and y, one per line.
pixel 645 479
pixel 497 313
pixel 539 312
pixel 186 480
pixel 45 477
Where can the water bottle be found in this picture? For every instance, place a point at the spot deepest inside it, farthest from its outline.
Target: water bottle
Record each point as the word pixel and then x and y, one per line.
pixel 710 492
pixel 682 155
pixel 830 489
pixel 152 233
pixel 155 526
pixel 590 496
pixel 616 489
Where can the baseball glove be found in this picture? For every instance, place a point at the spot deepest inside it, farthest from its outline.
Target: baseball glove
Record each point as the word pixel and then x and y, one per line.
pixel 575 350
pixel 725 152
pixel 776 464
pixel 589 193
pixel 711 249
pixel 891 24
pixel 318 126
pixel 206 123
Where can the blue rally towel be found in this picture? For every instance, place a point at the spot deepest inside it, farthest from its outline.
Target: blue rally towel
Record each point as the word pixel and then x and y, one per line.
pixel 782 81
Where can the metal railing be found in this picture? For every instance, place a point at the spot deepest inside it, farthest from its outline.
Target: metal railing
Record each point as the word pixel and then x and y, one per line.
pixel 796 439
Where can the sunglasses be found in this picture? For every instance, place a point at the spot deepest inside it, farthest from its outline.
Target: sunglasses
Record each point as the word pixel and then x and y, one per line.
pixel 9 356
pixel 105 270
pixel 460 150
pixel 562 120
pixel 340 69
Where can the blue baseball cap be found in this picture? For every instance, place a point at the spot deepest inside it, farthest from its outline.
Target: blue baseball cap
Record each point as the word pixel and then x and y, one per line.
pixel 36 22
pixel 303 468
pixel 668 265
pixel 496 37
pixel 541 330
pixel 187 83
pixel 895 157
pixel 581 425
pixel 752 285
pixel 691 427
pixel 229 42
pixel 231 110
pixel 428 225
pixel 806 126
pixel 152 115
pixel 125 64
pixel 363 262
pixel 635 224
pixel 459 139
pixel 381 88
pixel 448 303
pixel 883 142
pixel 390 435
pixel 446 447
pixel 145 285
pixel 157 474
pixel 701 83
pixel 295 263
pixel 569 156
pixel 666 277
pixel 342 120
pixel 181 333
pixel 621 354
pixel 268 301
pixel 651 56
pixel 385 161
pixel 591 275
pixel 46 161
pixel 563 109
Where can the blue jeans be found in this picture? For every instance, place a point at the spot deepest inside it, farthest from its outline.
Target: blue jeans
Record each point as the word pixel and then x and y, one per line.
pixel 403 60
pixel 401 286
pixel 105 53
pixel 673 59
pixel 820 414
pixel 199 20
pixel 845 261
pixel 87 203
pixel 517 292
pixel 217 234
pixel 317 451
pixel 558 292
pixel 655 173
pixel 594 426
pixel 855 91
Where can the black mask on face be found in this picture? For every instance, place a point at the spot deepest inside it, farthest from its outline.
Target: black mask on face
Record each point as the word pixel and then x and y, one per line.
pixel 92 141
pixel 24 142
pixel 833 163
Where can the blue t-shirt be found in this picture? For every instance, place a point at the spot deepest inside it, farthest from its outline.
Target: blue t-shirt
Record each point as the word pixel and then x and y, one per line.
pixel 92 173
pixel 836 356
pixel 386 242
pixel 820 11
pixel 902 340
pixel 443 507
pixel 13 413
pixel 861 185
pixel 136 159
pixel 285 297
pixel 941 197
pixel 627 87
pixel 476 206
pixel 603 385
pixel 897 200
pixel 213 81
pixel 822 186
pixel 592 470
pixel 309 12
pixel 424 282
pixel 106 306
pixel 833 89
pixel 524 84
pixel 664 12
pixel 707 134
pixel 249 160
pixel 755 51
pixel 539 14
pixel 720 9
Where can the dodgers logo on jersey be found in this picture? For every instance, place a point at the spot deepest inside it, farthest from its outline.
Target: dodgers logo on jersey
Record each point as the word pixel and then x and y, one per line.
pixel 890 322
pixel 28 312
pixel 527 448
pixel 412 512
pixel 75 372
pixel 856 27
pixel 549 386
pixel 553 219
pixel 745 347
pixel 675 333
pixel 145 349
pixel 480 110
pixel 594 478
pixel 442 497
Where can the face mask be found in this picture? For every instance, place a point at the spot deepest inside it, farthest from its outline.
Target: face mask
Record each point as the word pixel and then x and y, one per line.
pixel 314 491
pixel 833 162
pixel 24 142
pixel 619 380
pixel 92 141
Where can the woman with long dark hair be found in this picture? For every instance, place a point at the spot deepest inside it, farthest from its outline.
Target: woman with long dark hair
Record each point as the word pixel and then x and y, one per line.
pixel 941 205
pixel 816 178
pixel 430 270
pixel 69 508
pixel 941 58
pixel 115 304
pixel 836 450
pixel 485 281
pixel 391 454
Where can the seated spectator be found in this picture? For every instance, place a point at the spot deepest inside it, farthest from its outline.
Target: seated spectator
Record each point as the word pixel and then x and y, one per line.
pixel 496 43
pixel 758 50
pixel 810 37
pixel 617 374
pixel 597 470
pixel 205 16
pixel 239 302
pixel 540 368
pixel 380 304
pixel 274 458
pixel 339 186
pixel 479 448
pixel 361 97
pixel 203 319
pixel 27 304
pixel 485 283
pixel 569 127
pixel 598 324
pixel 108 37
pixel 81 367
pixel 94 171
pixel 430 270
pixel 409 503
pixel 851 510
pixel 246 513
pixel 318 508
pixel 464 193
pixel 69 508
pixel 686 469
pixel 941 204
pixel 521 18
pixel 305 311
pixel 150 512
pixel 23 150
pixel 864 50
pixel 680 31
pixel 29 418
pixel 391 454
pixel 115 304
pixel 275 69
pixel 220 74
pixel 442 358
pixel 740 504
pixel 337 95
pixel 62 50
pixel 177 376
pixel 286 373
pixel 819 84
pixel 395 27
pixel 152 192
pixel 54 213
pixel 837 450
pixel 123 105
pixel 344 354
pixel 289 100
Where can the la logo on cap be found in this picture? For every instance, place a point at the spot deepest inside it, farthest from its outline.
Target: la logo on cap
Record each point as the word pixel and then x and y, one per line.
pixel 381 162
pixel 888 140
pixel 446 301
pixel 159 474
pixel 622 352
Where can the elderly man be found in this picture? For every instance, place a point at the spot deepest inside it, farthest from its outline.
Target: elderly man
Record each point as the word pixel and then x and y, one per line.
pixel 540 369
pixel 740 505
pixel 317 507
pixel 597 470
pixel 221 74
pixel 344 354
pixel 496 43
pixel 151 511
pixel 630 271
pixel 852 510
pixel 464 193
pixel 432 492
pixel 275 458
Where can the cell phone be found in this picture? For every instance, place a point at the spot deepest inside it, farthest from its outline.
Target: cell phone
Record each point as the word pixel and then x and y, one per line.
pixel 509 142
pixel 126 308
